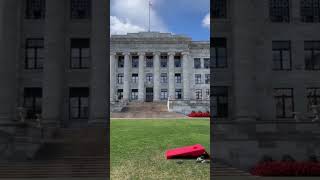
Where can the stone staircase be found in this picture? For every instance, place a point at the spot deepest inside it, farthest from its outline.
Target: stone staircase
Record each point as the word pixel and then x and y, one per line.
pixel 146 110
pixel 220 169
pixel 71 153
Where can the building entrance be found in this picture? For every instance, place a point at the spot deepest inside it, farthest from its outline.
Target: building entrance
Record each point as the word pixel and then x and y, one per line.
pixel 149 94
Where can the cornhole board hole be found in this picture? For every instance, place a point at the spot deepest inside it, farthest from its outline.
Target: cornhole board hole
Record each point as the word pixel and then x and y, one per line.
pixel 186 152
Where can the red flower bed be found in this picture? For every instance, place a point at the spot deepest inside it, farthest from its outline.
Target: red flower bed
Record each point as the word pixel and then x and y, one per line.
pixel 278 168
pixel 199 114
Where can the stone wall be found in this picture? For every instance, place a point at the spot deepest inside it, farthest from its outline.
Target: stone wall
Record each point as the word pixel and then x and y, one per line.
pixel 187 106
pixel 243 144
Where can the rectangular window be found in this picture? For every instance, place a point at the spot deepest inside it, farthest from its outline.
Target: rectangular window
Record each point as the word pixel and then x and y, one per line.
pixel 149 78
pixel 310 10
pixel 34 53
pixel 281 55
pixel 135 61
pixel 120 61
pixel 134 94
pixel 80 54
pixel 218 52
pixel 177 77
pixel 32 102
pixel 220 101
pixel 164 61
pixel 284 102
pixel 207 78
pixel 206 63
pixel 197 63
pixel 313 95
pixel 279 10
pixel 197 78
pixel 120 94
pixel 219 9
pixel 79 102
pixel 198 94
pixel 178 94
pixel 312 55
pixel 164 94
pixel 164 78
pixel 208 93
pixel 177 61
pixel 149 61
pixel 120 78
pixel 35 9
pixel 80 9
pixel 135 78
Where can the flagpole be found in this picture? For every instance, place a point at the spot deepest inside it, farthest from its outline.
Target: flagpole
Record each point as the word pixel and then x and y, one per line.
pixel 149 14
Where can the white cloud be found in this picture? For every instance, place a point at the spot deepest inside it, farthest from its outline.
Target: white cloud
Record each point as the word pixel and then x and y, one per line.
pixel 132 16
pixel 119 26
pixel 206 21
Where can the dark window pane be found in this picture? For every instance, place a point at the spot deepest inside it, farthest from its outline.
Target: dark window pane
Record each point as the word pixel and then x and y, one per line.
pixel 279 10
pixel 80 54
pixel 35 9
pixel 219 9
pixel 80 9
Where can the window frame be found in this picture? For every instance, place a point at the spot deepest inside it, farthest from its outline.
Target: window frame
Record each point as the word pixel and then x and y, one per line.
pixel 120 78
pixel 285 17
pixel 198 94
pixel 81 58
pixel 216 44
pixel 84 17
pixel 313 55
pixel 80 96
pixel 177 78
pixel 283 100
pixel 281 50
pixel 36 59
pixel 33 94
pixel 221 96
pixel 29 11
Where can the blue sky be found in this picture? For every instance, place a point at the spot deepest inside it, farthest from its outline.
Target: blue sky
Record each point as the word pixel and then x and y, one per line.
pixel 186 17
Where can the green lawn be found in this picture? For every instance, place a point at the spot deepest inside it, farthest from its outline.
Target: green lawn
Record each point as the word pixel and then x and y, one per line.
pixel 138 148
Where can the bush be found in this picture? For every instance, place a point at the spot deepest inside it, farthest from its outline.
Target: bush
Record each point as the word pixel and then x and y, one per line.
pixel 199 114
pixel 286 168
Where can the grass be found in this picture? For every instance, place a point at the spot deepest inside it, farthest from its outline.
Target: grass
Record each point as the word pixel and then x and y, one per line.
pixel 138 148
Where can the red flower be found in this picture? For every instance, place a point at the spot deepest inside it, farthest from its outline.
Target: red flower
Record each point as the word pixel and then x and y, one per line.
pixel 279 168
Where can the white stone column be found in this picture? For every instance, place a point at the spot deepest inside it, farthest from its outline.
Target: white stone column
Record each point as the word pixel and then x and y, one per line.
pixel 99 73
pixel 113 76
pixel 186 77
pixel 127 75
pixel 141 91
pixel 171 94
pixel 156 79
pixel 55 62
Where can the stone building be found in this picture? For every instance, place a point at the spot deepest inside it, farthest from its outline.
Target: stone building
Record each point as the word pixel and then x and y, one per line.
pixel 54 60
pixel 157 67
pixel 265 66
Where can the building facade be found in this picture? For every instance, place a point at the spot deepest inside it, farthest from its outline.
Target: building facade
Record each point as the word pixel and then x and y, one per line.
pixel 265 68
pixel 54 60
pixel 155 67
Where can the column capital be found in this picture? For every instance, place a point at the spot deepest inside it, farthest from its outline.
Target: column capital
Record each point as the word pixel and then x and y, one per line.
pixel 157 53
pixel 112 53
pixel 126 53
pixel 141 53
pixel 171 53
pixel 184 53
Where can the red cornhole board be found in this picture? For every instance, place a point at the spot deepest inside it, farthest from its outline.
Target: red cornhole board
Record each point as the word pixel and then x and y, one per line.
pixel 186 152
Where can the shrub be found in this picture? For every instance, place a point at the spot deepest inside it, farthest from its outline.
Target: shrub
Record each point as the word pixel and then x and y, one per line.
pixel 199 114
pixel 286 168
